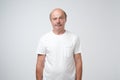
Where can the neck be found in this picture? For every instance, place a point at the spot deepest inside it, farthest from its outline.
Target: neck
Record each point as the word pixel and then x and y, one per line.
pixel 58 32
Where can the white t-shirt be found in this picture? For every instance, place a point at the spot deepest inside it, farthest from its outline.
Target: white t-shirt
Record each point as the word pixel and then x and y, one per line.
pixel 59 50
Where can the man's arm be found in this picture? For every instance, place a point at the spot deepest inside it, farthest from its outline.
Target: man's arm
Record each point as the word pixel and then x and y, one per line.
pixel 78 64
pixel 40 66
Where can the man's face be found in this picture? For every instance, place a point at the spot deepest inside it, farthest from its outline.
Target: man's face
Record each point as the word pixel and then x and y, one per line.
pixel 58 20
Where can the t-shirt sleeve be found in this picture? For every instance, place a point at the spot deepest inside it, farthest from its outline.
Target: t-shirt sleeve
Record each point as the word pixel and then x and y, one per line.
pixel 77 48
pixel 41 47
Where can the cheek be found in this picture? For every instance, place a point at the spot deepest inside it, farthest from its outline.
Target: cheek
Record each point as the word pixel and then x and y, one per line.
pixel 63 22
pixel 53 22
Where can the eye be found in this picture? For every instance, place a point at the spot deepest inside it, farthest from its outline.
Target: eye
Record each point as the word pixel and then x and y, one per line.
pixel 61 18
pixel 54 18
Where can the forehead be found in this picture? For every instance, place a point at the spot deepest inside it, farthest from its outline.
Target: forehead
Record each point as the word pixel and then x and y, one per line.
pixel 57 13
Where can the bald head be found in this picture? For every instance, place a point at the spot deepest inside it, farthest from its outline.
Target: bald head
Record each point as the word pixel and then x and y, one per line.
pixel 58 19
pixel 60 10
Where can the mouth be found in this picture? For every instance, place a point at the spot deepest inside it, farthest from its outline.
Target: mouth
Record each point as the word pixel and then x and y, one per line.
pixel 58 25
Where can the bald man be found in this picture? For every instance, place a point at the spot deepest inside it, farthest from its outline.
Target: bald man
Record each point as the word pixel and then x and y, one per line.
pixel 59 52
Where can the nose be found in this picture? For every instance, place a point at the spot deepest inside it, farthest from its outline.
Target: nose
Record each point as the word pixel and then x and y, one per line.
pixel 58 20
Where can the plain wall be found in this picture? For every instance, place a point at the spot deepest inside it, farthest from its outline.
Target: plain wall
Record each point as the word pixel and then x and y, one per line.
pixel 97 22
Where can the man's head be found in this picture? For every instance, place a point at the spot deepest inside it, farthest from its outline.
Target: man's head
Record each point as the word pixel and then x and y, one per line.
pixel 58 18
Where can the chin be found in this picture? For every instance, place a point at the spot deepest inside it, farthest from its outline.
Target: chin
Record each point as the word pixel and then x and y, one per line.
pixel 58 27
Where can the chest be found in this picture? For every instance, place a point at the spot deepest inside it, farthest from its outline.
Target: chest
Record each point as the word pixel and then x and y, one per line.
pixel 60 46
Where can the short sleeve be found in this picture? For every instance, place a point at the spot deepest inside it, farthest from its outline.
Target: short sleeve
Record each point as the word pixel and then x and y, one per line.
pixel 41 47
pixel 77 47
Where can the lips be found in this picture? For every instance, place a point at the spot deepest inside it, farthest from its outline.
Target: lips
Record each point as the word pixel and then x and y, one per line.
pixel 58 25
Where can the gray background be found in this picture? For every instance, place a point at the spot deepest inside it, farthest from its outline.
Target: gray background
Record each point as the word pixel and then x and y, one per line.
pixel 97 22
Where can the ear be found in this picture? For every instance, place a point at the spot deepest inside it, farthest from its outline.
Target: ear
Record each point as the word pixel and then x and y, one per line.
pixel 65 20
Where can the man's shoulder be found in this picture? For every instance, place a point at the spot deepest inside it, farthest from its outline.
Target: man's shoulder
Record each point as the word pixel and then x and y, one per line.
pixel 45 36
pixel 72 34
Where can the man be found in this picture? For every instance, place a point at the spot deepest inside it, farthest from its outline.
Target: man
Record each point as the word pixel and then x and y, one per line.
pixel 59 56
